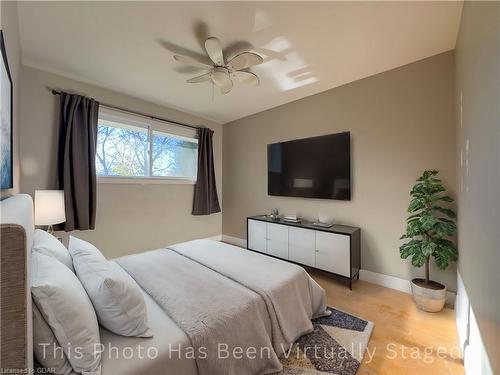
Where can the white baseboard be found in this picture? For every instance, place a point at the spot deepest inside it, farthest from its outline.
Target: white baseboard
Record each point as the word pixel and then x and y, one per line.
pixel 385 280
pixel 234 241
pixel 397 283
pixel 462 314
pixel 217 237
pixel 370 276
pixel 474 353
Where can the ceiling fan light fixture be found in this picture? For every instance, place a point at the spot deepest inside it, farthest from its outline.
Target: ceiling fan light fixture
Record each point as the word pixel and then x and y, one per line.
pixel 220 76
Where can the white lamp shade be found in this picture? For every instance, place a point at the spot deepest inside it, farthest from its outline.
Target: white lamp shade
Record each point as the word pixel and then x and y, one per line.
pixel 49 207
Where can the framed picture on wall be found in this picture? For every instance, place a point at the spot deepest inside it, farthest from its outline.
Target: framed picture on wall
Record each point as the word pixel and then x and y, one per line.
pixel 6 113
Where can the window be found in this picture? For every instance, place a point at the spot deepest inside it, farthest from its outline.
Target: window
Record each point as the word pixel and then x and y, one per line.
pixel 173 155
pixel 133 147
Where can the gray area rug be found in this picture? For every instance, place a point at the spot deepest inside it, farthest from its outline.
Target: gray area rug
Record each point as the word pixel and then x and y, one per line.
pixel 336 346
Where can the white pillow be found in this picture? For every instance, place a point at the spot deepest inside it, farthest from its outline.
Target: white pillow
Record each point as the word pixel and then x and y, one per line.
pixel 47 244
pixel 47 350
pixel 66 308
pixel 117 299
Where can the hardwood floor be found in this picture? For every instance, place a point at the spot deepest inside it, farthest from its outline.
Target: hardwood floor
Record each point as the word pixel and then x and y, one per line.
pixel 405 340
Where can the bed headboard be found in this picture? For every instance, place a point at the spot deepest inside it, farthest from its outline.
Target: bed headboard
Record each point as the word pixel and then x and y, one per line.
pixel 16 240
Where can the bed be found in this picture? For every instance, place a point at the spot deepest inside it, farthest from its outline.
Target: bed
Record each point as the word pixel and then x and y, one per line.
pixel 200 295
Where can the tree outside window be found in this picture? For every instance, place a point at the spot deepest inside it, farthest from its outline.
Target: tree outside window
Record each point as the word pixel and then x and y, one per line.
pixel 124 150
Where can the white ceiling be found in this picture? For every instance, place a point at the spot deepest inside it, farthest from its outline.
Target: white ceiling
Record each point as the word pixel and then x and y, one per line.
pixel 308 47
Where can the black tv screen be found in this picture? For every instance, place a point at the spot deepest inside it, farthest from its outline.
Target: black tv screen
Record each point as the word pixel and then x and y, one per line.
pixel 317 167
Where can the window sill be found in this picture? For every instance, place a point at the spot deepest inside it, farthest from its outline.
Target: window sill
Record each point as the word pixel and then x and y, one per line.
pixel 146 180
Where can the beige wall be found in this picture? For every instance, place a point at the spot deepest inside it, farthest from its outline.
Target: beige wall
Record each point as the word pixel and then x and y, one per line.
pixel 130 217
pixel 401 122
pixel 478 165
pixel 10 28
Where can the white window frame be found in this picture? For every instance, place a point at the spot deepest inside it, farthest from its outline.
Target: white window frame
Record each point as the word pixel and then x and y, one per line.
pixel 151 125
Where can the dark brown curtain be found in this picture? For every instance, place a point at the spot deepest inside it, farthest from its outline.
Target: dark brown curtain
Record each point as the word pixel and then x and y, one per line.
pixel 205 200
pixel 76 160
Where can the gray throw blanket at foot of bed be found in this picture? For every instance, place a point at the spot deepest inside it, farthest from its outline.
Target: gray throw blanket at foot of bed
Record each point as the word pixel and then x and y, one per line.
pixel 217 314
pixel 223 296
pixel 292 297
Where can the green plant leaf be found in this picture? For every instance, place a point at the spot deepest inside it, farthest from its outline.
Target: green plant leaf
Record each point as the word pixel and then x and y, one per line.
pixel 441 260
pixel 427 222
pixel 418 260
pixel 435 188
pixel 410 219
pixel 427 174
pixel 414 228
pixel 405 252
pixel 444 229
pixel 448 248
pixel 428 248
pixel 416 204
pixel 445 242
pixel 410 248
pixel 417 215
pixel 447 211
pixel 445 198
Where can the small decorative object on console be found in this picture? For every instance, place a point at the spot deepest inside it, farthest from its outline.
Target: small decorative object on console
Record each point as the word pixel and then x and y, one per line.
pixel 292 219
pixel 323 221
pixel 275 214
pixel 322 225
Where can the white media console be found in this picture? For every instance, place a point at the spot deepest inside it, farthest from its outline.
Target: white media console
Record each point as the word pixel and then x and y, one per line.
pixel 336 250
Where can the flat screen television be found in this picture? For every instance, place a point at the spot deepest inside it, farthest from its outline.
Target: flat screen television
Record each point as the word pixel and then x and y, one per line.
pixel 317 167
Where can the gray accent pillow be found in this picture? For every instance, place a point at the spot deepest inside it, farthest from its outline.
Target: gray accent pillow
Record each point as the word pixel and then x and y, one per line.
pixel 117 299
pixel 45 243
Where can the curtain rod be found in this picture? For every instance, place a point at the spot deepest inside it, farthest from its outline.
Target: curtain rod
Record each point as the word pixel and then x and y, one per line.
pixel 55 92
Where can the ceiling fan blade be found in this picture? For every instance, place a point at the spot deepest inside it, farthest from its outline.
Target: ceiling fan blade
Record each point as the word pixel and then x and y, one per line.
pixel 246 77
pixel 227 88
pixel 203 78
pixel 244 60
pixel 214 51
pixel 191 62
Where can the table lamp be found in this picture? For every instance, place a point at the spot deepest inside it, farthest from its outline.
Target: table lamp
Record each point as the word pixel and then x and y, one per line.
pixel 49 208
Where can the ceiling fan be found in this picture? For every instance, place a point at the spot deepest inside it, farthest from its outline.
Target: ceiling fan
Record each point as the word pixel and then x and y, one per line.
pixel 223 73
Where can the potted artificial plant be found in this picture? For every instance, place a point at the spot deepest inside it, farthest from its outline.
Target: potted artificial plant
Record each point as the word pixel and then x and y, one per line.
pixel 429 228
